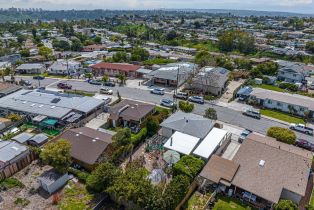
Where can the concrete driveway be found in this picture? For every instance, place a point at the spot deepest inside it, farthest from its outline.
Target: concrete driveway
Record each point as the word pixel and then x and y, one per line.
pixel 232 86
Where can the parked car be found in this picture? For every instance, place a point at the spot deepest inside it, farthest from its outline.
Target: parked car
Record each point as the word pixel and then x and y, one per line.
pixel 181 95
pixel 105 90
pixel 311 87
pixel 305 144
pixel 301 128
pixel 244 134
pixel 158 91
pixel 63 85
pixel 167 103
pixel 94 82
pixel 110 84
pixel 196 99
pixel 25 83
pixel 252 113
pixel 38 77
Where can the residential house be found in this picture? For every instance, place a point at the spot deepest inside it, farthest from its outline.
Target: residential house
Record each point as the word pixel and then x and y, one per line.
pixel 172 74
pixel 211 80
pixel 64 67
pixel 51 180
pixel 187 123
pixel 291 72
pixel 262 172
pixel 93 47
pixel 31 68
pixel 285 102
pixel 11 58
pixel 130 113
pixel 13 158
pixel 88 146
pixel 113 69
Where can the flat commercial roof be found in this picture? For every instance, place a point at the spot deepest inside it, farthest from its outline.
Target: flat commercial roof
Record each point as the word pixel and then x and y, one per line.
pixel 210 143
pixel 48 103
pixel 182 143
pixel 9 150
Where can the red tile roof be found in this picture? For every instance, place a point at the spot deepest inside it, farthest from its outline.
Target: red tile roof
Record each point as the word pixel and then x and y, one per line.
pixel 117 66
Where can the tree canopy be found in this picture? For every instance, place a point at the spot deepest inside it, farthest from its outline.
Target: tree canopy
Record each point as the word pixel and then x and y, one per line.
pixel 284 135
pixel 57 154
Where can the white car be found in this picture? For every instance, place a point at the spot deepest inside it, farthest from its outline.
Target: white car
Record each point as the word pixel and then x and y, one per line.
pixel 105 90
pixel 167 103
pixel 158 91
pixel 196 99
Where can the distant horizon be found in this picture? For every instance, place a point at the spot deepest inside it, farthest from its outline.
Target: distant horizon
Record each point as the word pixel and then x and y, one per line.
pixel 290 6
pixel 166 9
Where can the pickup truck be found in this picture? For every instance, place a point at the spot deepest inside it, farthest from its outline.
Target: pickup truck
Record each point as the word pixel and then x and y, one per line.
pixel 301 128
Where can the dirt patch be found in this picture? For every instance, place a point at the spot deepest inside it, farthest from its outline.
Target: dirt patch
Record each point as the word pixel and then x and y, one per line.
pixel 28 176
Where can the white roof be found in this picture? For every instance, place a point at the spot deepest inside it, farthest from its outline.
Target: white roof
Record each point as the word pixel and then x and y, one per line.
pixel 210 143
pixel 182 143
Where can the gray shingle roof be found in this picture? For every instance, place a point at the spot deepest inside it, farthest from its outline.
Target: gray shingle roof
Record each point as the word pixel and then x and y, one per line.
pixel 43 103
pixel 189 123
pixel 22 137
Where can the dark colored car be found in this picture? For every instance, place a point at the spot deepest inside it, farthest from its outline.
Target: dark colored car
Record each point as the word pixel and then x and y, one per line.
pixel 62 85
pixel 109 84
pixel 38 77
pixel 305 144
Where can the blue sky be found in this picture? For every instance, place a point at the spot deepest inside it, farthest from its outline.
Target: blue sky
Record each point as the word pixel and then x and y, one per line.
pixel 303 6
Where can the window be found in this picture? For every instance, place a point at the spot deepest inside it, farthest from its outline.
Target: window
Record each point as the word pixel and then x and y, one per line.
pixel 269 101
pixel 279 104
pixel 294 75
pixel 302 109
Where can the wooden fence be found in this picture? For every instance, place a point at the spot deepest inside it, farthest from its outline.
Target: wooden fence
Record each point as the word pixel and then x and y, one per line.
pixel 18 165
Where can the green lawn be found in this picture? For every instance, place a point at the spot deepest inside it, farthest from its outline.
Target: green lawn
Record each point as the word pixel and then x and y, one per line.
pixel 225 203
pixel 281 116
pixel 270 87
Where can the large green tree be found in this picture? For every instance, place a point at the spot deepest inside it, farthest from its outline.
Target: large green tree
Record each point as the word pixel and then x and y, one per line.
pixel 57 154
pixel 102 177
pixel 285 205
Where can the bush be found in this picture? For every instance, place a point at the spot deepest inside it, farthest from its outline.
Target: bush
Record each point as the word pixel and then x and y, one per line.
pixel 10 183
pixel 185 106
pixel 189 166
pixel 282 134
pixel 285 205
pixel 289 86
pixel 139 137
pixel 21 202
pixel 211 114
pixel 14 117
pixel 152 126
pixel 81 175
pixel 175 191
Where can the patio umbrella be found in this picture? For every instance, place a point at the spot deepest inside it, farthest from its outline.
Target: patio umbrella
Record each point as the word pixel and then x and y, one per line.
pixel 171 157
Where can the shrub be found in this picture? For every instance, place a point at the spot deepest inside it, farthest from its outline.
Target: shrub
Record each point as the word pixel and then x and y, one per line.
pixel 289 86
pixel 10 183
pixel 282 134
pixel 139 137
pixel 175 191
pixel 211 114
pixel 14 117
pixel 21 202
pixel 152 126
pixel 285 204
pixel 189 166
pixel 186 106
pixel 81 175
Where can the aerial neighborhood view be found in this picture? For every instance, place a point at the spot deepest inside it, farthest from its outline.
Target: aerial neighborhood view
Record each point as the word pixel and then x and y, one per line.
pixel 155 105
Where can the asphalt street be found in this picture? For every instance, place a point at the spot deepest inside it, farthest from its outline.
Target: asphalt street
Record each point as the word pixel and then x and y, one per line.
pixel 224 114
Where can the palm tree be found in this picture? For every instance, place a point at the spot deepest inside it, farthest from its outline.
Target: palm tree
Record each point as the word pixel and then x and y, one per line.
pixel 122 78
pixel 105 78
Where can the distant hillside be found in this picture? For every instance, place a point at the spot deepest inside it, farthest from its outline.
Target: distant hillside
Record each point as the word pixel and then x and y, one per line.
pixel 96 14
